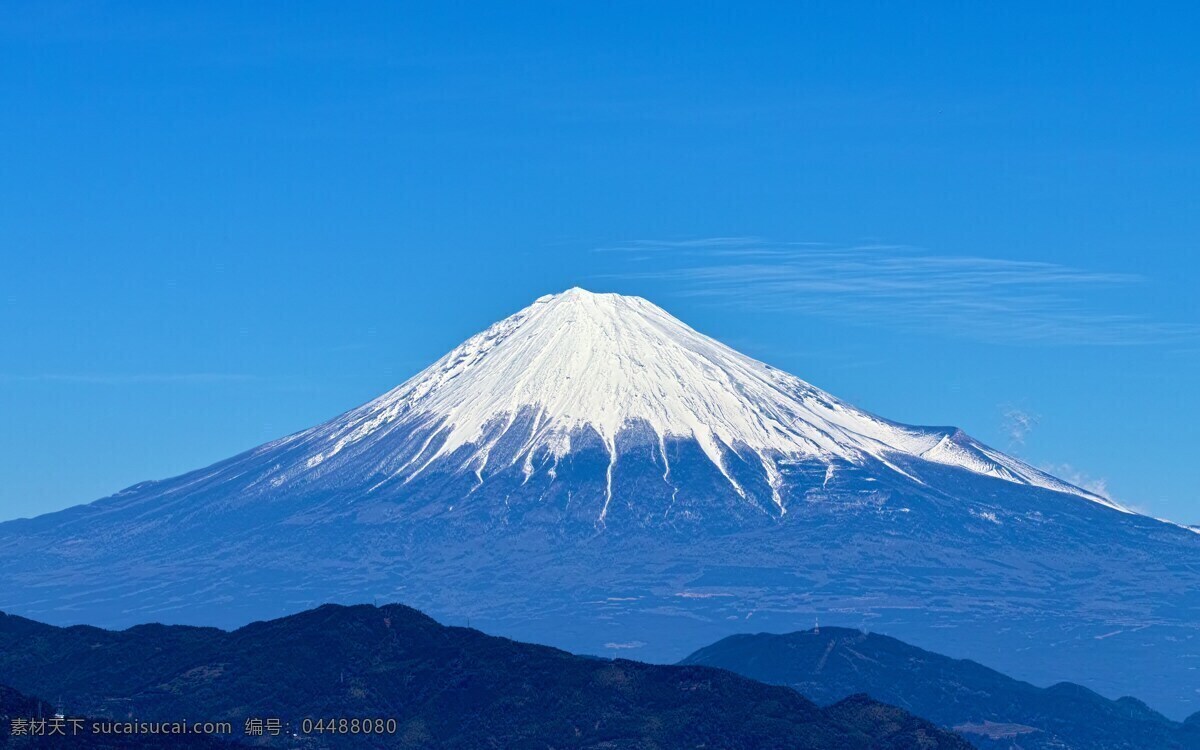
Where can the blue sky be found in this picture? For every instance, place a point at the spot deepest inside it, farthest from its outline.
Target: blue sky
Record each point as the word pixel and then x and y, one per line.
pixel 224 222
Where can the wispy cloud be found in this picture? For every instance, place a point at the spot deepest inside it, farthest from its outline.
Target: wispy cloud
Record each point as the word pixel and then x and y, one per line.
pixel 184 378
pixel 1018 423
pixel 625 645
pixel 994 299
pixel 1095 485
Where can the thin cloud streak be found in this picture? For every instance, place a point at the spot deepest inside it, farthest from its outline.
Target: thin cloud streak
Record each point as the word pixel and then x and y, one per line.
pixel 185 378
pixel 970 296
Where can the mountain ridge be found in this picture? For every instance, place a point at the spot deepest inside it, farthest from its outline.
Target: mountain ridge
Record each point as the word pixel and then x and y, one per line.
pixel 444 686
pixel 987 707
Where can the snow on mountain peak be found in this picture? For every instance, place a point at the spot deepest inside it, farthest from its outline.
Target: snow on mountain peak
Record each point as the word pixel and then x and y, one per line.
pixel 607 361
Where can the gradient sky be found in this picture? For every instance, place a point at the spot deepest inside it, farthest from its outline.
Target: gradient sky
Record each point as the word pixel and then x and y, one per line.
pixel 224 222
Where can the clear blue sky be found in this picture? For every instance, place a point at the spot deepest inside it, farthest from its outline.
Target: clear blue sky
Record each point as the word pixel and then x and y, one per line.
pixel 223 222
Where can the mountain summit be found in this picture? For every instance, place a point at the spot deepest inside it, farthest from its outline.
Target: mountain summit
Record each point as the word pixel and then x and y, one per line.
pixel 593 474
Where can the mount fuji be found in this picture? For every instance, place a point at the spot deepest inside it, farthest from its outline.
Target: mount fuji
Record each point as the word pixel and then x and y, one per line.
pixel 593 474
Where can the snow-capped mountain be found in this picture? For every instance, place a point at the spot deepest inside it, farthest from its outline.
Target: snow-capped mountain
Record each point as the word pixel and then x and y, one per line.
pixel 594 474
pixel 604 363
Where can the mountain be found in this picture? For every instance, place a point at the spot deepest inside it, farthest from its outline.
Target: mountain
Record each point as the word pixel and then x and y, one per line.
pixel 593 474
pixel 445 687
pixel 990 709
pixel 80 734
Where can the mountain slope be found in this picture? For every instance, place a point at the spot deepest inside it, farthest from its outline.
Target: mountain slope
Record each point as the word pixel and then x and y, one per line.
pixel 593 474
pixel 990 709
pixel 445 687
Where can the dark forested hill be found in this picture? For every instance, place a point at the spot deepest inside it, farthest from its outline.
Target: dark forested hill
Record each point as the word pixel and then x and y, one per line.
pixel 444 686
pixel 987 707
